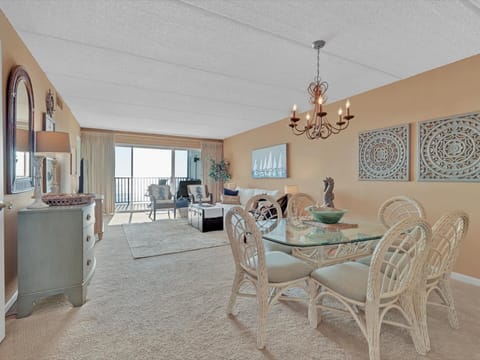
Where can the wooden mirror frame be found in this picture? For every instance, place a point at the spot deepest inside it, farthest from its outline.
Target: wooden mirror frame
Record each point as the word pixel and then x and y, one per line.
pixel 14 184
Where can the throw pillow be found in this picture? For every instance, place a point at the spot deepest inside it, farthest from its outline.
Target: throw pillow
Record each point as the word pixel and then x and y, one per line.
pixel 230 199
pixel 283 202
pixel 230 192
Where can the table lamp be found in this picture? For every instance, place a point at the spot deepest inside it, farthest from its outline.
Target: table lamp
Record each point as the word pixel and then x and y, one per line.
pixel 47 142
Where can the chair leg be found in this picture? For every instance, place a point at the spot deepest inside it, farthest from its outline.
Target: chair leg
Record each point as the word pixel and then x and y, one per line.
pixel 444 286
pixel 262 301
pixel 372 324
pixel 235 289
pixel 312 304
pixel 420 307
pixel 420 343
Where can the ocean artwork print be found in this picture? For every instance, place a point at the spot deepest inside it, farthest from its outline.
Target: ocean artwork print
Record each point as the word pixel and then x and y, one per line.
pixel 270 162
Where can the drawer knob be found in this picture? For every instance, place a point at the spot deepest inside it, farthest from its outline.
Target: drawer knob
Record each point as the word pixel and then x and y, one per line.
pixel 89 217
pixel 89 262
pixel 88 238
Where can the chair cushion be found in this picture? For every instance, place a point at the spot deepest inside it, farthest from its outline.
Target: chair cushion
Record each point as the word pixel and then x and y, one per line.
pixel 199 198
pixel 164 202
pixel 282 267
pixel 348 279
pixel 366 260
pixel 273 246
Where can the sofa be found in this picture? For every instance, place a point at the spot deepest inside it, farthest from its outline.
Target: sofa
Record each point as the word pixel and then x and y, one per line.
pixel 243 194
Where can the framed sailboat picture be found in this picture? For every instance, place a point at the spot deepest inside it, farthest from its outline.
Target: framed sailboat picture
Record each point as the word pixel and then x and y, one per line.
pixel 270 162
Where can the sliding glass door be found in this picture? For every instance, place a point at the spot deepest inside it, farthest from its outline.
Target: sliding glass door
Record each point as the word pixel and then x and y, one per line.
pixel 138 167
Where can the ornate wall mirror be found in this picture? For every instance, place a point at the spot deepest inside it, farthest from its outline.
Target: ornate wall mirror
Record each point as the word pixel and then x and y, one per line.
pixel 20 139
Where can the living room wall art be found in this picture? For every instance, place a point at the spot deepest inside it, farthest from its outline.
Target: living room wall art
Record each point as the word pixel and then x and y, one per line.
pixel 270 162
pixel 449 149
pixel 383 154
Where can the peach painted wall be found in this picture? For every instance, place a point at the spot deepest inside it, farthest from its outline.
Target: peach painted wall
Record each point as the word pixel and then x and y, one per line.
pixel 16 53
pixel 448 90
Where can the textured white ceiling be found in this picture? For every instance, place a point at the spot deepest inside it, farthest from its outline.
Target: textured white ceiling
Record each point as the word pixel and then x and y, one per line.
pixel 215 68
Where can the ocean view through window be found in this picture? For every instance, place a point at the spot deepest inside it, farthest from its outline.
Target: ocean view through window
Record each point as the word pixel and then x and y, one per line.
pixel 138 167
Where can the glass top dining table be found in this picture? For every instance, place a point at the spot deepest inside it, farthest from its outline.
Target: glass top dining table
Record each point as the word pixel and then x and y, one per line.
pixel 325 244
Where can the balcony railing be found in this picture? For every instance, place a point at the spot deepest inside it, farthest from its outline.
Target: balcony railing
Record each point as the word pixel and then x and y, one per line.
pixel 130 190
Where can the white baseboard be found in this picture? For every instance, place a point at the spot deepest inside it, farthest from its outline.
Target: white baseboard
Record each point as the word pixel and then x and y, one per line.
pixel 465 278
pixel 11 301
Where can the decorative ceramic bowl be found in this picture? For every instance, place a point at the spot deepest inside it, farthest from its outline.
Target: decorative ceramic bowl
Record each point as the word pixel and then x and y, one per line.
pixel 326 215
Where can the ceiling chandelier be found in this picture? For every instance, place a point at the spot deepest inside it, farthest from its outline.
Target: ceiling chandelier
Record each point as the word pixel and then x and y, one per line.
pixel 318 126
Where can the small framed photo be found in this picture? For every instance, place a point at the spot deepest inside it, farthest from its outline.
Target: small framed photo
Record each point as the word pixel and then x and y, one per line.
pixel 48 123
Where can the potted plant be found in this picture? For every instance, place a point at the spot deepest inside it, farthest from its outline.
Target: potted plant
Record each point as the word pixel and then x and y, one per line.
pixel 219 170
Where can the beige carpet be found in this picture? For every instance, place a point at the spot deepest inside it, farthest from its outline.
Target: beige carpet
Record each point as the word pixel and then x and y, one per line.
pixel 169 237
pixel 173 308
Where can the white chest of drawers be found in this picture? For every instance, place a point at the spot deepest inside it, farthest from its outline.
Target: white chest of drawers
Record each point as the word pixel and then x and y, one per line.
pixel 55 254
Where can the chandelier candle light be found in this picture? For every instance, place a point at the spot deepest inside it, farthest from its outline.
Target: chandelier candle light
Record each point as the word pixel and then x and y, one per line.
pixel 318 126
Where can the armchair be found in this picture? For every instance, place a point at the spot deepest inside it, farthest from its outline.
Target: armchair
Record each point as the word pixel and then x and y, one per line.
pixel 199 194
pixel 182 187
pixel 161 198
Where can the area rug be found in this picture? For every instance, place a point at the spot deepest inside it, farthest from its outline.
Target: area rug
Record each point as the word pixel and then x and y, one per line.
pixel 169 237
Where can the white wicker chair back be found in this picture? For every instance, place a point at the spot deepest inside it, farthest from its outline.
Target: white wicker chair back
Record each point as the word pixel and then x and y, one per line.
pixel 447 234
pixel 265 211
pixel 398 208
pixel 246 243
pixel 297 204
pixel 398 260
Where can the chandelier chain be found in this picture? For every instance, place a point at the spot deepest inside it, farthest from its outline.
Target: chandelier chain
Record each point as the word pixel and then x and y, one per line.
pixel 318 66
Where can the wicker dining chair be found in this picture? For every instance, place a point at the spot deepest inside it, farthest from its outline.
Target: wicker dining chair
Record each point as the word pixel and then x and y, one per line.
pixel 447 235
pixel 297 204
pixel 398 208
pixel 267 213
pixel 271 273
pixel 369 292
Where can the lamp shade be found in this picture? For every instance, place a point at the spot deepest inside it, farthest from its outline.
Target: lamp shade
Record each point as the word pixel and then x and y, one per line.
pixel 291 189
pixel 52 142
pixel 22 138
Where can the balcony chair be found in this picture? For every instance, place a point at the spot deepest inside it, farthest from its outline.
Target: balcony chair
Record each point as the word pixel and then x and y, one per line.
pixel 161 198
pixel 389 283
pixel 182 187
pixel 271 273
pixel 199 194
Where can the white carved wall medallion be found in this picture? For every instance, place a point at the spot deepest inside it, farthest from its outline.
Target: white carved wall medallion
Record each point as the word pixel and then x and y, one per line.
pixel 383 154
pixel 449 149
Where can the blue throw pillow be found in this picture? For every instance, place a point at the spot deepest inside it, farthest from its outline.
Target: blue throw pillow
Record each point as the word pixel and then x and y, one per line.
pixel 230 192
